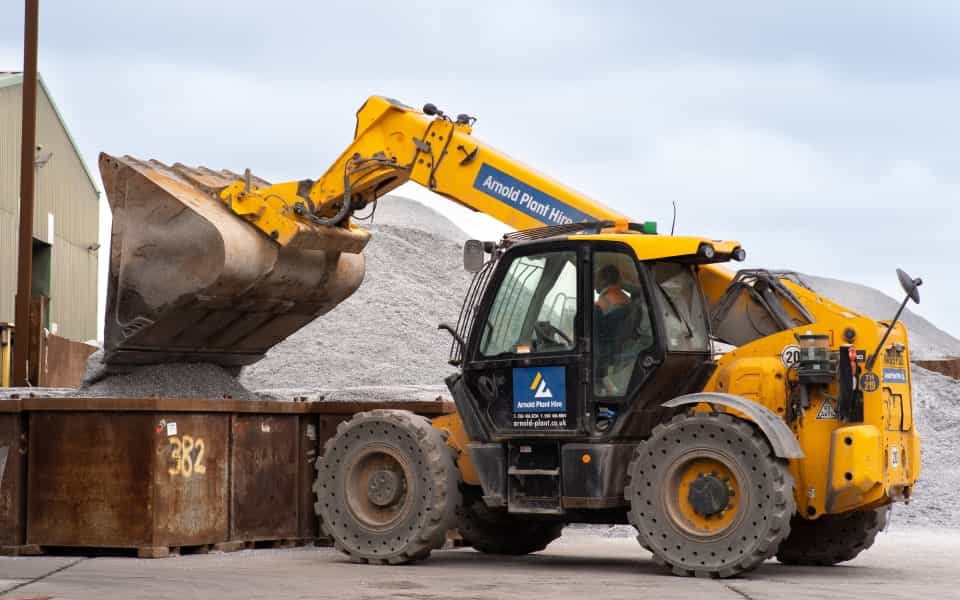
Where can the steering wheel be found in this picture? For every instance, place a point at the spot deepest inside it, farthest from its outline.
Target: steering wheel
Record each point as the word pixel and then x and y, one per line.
pixel 547 331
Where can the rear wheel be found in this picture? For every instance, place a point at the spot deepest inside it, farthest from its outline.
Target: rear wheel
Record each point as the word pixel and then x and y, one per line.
pixel 498 532
pixel 831 539
pixel 386 487
pixel 707 495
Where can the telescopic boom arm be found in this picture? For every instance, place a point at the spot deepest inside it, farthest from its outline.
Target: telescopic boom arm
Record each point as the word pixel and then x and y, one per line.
pixel 394 143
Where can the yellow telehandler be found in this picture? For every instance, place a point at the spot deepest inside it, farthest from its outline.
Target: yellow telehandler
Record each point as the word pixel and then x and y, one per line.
pixel 606 374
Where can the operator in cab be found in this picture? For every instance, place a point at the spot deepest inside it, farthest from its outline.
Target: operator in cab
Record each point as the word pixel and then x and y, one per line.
pixel 607 285
pixel 613 327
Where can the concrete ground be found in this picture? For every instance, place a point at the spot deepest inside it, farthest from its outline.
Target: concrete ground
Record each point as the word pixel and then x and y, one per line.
pixel 903 564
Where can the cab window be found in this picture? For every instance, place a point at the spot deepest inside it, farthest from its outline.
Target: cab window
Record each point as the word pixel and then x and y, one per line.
pixel 622 327
pixel 684 316
pixel 535 309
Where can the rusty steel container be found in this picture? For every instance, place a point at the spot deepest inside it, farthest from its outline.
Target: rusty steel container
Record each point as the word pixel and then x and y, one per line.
pixel 307 523
pixel 13 471
pixel 156 475
pixel 146 480
pixel 264 462
pixel 273 458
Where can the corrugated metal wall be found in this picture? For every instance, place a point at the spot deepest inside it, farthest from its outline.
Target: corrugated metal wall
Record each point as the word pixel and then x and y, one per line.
pixel 63 190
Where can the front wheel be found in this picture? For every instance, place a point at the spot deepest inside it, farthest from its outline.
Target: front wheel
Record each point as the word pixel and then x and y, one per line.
pixel 831 539
pixel 387 487
pixel 707 495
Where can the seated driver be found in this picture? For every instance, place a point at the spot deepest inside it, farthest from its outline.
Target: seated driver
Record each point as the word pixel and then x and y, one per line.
pixel 607 284
pixel 613 330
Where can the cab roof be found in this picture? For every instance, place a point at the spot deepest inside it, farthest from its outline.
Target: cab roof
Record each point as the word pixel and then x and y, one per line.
pixel 641 237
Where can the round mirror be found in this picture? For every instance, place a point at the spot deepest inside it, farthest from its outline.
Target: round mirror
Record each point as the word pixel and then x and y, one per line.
pixel 910 285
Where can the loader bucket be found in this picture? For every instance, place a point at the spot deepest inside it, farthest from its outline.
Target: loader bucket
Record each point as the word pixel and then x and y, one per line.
pixel 190 281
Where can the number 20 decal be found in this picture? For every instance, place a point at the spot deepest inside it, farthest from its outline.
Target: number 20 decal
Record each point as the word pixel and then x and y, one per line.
pixel 790 356
pixel 187 454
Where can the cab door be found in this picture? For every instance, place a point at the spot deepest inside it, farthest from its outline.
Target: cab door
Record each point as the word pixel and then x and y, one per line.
pixel 650 340
pixel 527 349
pixel 627 345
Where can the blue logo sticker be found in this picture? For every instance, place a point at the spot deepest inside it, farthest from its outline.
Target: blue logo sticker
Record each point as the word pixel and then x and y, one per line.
pixel 894 376
pixel 869 382
pixel 528 200
pixel 540 390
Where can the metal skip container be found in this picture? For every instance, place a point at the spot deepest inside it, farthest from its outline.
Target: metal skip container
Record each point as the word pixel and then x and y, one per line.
pixel 190 280
pixel 108 476
pixel 160 476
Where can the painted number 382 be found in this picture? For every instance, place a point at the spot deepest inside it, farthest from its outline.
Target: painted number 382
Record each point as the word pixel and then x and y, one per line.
pixel 187 455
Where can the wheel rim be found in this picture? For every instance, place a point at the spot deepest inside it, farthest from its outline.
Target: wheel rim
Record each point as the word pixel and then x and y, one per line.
pixel 703 495
pixel 377 481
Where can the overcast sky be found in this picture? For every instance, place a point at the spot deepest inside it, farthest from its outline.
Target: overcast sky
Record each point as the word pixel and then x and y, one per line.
pixel 822 135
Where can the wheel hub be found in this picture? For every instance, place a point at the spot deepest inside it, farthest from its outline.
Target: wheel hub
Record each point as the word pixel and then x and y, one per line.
pixel 708 495
pixel 383 488
pixel 377 481
pixel 702 496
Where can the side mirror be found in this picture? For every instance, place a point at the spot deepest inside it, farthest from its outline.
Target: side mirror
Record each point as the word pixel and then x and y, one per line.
pixel 910 285
pixel 473 255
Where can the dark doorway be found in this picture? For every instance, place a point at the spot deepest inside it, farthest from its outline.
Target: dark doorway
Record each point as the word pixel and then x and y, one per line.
pixel 42 262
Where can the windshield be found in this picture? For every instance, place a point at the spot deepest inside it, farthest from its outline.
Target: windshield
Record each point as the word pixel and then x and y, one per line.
pixel 684 316
pixel 535 308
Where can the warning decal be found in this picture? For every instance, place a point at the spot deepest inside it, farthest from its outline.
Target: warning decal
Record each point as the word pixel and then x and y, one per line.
pixel 827 411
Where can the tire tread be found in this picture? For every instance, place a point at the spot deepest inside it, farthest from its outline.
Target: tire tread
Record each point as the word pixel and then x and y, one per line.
pixel 439 463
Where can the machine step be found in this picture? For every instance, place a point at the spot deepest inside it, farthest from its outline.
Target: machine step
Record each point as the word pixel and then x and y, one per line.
pixel 540 472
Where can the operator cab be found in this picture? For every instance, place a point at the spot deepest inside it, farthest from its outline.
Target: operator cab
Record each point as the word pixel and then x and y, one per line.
pixel 578 339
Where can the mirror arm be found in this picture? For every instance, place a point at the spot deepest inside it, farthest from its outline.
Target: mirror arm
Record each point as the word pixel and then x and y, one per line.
pixel 453 332
pixel 876 353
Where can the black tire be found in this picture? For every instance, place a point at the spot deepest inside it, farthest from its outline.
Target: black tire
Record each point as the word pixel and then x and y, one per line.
pixel 387 487
pixel 831 539
pixel 741 525
pixel 498 532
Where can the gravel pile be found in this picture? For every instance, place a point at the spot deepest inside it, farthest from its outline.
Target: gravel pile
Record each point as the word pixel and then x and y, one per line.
pixel 398 211
pixel 370 393
pixel 172 380
pixel 380 344
pixel 926 340
pixel 936 410
pixel 12 393
pixel 385 335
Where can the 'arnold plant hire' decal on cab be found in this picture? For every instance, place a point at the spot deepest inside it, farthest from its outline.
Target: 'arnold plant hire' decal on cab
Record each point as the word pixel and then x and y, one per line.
pixel 540 398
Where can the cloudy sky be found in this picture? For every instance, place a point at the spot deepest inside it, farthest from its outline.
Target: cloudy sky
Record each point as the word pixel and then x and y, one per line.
pixel 822 135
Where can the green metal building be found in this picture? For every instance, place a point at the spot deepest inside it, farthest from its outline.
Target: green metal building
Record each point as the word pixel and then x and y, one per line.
pixel 65 226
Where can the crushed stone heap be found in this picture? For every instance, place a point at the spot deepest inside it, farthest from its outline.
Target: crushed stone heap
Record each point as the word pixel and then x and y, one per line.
pixel 386 333
pixel 936 415
pixel 171 380
pixel 926 340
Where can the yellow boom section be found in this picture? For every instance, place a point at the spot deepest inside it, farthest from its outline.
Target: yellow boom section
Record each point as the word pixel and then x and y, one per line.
pixel 395 143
